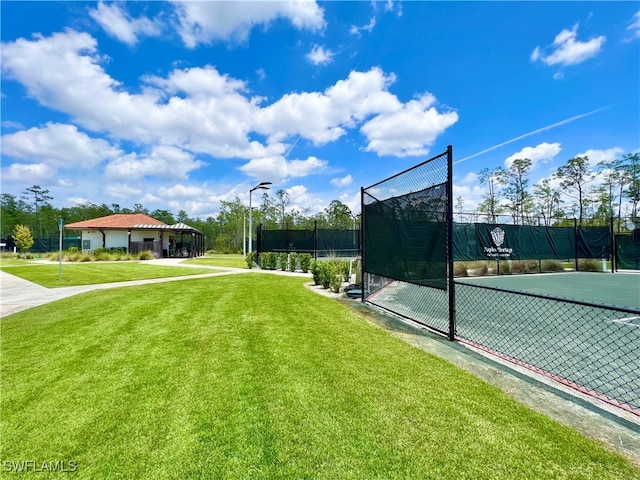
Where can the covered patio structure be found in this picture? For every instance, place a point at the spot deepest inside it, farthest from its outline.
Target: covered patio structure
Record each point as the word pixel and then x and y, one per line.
pixel 137 233
pixel 178 240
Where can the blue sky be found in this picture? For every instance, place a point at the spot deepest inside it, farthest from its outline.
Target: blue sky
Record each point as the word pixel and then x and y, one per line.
pixel 178 106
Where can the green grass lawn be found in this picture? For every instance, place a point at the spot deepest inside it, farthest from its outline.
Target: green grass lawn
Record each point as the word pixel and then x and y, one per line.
pixel 6 262
pixel 220 260
pixel 96 272
pixel 254 376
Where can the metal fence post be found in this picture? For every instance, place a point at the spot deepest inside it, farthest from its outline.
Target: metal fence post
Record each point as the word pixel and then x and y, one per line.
pixel 362 243
pixel 451 286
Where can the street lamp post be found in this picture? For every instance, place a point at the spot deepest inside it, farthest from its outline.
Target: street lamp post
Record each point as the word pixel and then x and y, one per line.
pixel 260 186
pixel 244 231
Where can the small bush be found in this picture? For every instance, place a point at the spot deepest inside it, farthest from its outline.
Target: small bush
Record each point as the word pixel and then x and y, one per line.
pixel 316 272
pixel 552 266
pixel 305 261
pixel 268 260
pixel 250 258
pixel 460 269
pixel 588 265
pixel 145 255
pixel 73 250
pixel 293 261
pixel 482 269
pixel 283 257
pixel 326 272
pixel 336 276
pixel 505 268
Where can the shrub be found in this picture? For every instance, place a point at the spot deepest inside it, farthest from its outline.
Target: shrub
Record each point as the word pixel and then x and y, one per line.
pixel 315 271
pixel 460 269
pixel 336 275
pixel 283 257
pixel 145 255
pixel 22 238
pixel 73 250
pixel 101 254
pixel 588 265
pixel 326 272
pixel 552 266
pixel 305 261
pixel 250 258
pixel 344 269
pixel 293 261
pixel 268 260
pixel 505 268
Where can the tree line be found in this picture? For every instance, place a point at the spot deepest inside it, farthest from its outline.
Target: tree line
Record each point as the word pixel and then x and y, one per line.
pixel 592 195
pixel 572 192
pixel 224 232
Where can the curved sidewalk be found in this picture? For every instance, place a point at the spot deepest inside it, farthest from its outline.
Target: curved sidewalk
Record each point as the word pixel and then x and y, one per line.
pixel 17 294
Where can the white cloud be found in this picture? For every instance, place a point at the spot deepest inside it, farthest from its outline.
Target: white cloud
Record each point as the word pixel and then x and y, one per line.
pixel 470 177
pixel 304 201
pixel 342 182
pixel 123 190
pixel 323 116
pixel 58 145
pixel 566 50
pixel 205 22
pixel 634 26
pixel 29 173
pixel 355 30
pixel 596 156
pixel 12 125
pixel 163 162
pixel 410 130
pixel 118 23
pixel 203 111
pixel 545 152
pixel 277 168
pixel 182 191
pixel 472 195
pixel 320 56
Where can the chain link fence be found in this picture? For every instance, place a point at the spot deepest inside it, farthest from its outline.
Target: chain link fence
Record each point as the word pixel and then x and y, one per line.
pixel 407 269
pixel 593 348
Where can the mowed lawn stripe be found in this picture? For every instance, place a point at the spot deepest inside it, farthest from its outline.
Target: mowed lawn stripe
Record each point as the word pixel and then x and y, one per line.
pixel 48 275
pixel 255 376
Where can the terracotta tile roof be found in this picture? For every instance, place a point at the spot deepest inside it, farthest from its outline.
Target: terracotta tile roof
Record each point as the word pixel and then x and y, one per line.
pixel 119 220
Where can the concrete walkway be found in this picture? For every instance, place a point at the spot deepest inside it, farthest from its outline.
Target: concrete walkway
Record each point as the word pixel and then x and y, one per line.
pixel 17 294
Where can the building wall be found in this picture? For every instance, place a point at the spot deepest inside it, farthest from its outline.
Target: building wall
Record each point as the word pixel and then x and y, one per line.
pixel 94 237
pixel 117 238
pixel 140 235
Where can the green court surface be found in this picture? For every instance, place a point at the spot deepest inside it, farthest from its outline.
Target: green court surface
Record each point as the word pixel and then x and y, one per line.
pixel 616 290
pixel 591 348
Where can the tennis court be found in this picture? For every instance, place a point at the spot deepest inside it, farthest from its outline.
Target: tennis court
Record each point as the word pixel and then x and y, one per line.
pixel 582 329
pixel 618 290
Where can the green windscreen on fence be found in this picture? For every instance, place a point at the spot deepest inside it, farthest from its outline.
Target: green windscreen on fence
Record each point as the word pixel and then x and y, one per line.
pixel 287 241
pixel 328 241
pixel 406 238
pixel 628 251
pixel 487 241
pixel 339 242
pixel 593 242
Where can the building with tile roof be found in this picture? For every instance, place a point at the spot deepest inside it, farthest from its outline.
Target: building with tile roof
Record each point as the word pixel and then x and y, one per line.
pixel 138 232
